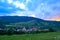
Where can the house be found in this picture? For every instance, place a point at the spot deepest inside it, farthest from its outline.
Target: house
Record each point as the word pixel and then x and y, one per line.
pixel 24 29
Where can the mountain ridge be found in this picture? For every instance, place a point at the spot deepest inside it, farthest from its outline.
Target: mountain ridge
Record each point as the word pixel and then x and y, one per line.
pixel 30 22
pixel 16 18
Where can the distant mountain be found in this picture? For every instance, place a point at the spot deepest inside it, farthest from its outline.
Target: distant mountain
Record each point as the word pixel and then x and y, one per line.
pixel 14 19
pixel 29 22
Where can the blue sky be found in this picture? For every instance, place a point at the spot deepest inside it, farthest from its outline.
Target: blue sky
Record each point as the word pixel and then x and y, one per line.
pixel 43 9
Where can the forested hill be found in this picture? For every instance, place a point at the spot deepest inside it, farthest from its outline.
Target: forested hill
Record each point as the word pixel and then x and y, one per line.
pixel 14 19
pixel 29 22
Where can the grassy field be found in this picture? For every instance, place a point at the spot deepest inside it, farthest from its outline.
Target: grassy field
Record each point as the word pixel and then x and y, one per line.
pixel 41 36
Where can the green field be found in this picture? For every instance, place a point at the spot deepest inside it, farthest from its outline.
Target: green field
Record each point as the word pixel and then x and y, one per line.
pixel 41 36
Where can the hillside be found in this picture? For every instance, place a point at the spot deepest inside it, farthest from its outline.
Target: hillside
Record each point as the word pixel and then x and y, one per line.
pixel 14 19
pixel 28 22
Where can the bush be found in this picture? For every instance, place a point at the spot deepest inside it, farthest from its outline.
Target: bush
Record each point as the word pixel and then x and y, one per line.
pixel 10 32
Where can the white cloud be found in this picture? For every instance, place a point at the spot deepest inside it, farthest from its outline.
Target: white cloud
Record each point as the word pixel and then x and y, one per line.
pixel 32 15
pixel 36 13
pixel 17 13
pixel 10 1
pixel 27 1
pixel 24 13
pixel 19 5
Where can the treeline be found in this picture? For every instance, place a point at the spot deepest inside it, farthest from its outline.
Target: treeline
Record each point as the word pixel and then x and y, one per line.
pixel 10 31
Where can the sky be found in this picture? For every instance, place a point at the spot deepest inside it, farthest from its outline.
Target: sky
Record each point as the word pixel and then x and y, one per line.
pixel 43 9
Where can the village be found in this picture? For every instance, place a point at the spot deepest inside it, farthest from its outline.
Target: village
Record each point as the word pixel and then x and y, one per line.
pixel 23 30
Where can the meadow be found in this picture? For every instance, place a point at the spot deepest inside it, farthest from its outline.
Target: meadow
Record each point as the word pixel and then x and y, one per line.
pixel 40 36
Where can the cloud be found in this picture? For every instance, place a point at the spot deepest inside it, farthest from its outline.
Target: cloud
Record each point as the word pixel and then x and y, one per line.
pixel 56 18
pixel 24 13
pixel 19 5
pixel 43 9
pixel 27 1
pixel 10 1
pixel 32 15
pixel 17 13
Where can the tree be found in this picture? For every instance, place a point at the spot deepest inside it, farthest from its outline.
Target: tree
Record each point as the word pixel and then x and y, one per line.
pixel 10 31
pixel 51 30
